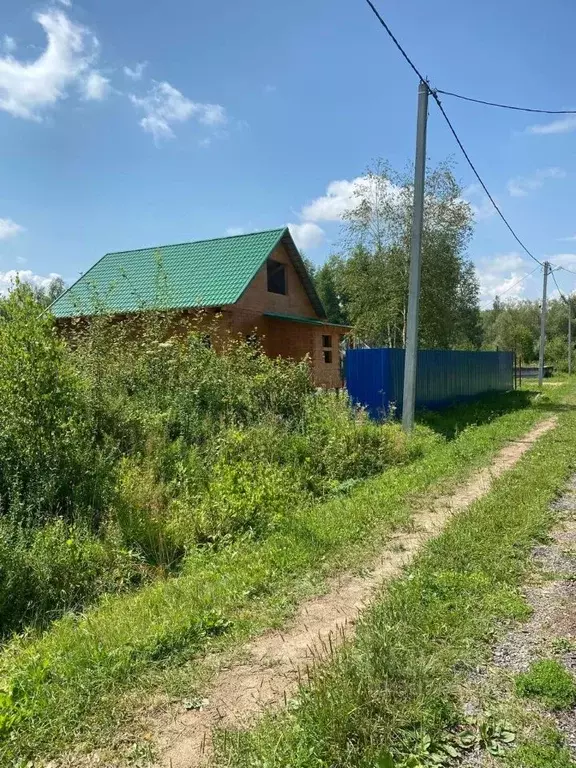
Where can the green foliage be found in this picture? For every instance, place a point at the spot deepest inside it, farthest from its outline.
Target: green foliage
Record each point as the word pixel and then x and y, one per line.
pixel 326 280
pixel 515 326
pixel 546 749
pixel 393 694
pixel 368 283
pixel 178 443
pixel 58 567
pixel 240 588
pixel 51 463
pixel 550 682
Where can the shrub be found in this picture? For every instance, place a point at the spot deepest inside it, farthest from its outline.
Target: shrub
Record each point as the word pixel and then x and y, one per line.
pixel 177 443
pixel 141 383
pixel 550 682
pixel 343 444
pixel 50 464
pixel 56 568
pixel 242 498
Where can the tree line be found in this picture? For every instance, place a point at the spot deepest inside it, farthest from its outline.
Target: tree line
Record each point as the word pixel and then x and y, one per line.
pixel 365 283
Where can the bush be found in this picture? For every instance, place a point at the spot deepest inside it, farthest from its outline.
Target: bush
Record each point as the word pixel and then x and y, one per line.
pixel 343 444
pixel 56 568
pixel 51 464
pixel 550 682
pixel 244 498
pixel 140 384
pixel 177 443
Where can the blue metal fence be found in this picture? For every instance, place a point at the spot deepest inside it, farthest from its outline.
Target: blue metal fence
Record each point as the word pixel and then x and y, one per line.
pixel 375 377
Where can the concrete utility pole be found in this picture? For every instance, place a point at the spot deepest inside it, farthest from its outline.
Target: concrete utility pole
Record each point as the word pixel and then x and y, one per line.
pixel 543 326
pixel 569 335
pixel 411 354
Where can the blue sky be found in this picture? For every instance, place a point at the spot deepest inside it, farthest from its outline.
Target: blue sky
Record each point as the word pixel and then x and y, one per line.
pixel 125 124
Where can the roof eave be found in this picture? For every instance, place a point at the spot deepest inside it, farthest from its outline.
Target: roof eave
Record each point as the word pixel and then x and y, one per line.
pixel 288 242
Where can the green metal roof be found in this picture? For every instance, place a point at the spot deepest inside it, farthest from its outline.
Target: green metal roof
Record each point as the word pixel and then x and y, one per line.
pixel 206 273
pixel 300 319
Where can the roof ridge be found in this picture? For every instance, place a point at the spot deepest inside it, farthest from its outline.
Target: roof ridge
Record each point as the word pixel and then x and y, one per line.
pixel 195 242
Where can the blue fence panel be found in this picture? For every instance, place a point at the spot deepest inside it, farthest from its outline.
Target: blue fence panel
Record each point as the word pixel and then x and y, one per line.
pixel 375 377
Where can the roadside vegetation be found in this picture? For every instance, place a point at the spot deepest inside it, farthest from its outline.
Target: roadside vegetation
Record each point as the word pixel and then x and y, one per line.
pixel 158 495
pixel 548 681
pixel 66 685
pixel 392 697
pixel 128 449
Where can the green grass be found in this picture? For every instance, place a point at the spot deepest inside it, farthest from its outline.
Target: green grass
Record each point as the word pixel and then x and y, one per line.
pixel 68 684
pixel 396 687
pixel 548 681
pixel 544 750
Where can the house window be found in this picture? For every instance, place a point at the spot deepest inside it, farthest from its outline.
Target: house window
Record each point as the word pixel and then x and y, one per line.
pixel 276 277
pixel 327 348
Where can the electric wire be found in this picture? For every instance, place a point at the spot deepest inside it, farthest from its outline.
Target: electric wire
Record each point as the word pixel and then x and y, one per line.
pixel 395 40
pixel 564 299
pixel 510 287
pixel 435 96
pixel 508 106
pixel 481 182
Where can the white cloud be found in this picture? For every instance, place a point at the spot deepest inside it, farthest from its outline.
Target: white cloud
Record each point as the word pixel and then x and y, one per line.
pixel 211 114
pixel 165 105
pixel 8 44
pixel 506 261
pixel 29 87
pixel 270 89
pixel 564 125
pixel 563 260
pixel 340 197
pixel 521 186
pixel 569 239
pixel 96 87
pixel 67 3
pixel 136 72
pixel 232 231
pixel 479 202
pixel 8 279
pixel 9 228
pixel 307 235
pixel 502 274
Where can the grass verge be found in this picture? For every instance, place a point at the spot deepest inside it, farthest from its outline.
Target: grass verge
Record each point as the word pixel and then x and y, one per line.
pixel 391 697
pixel 67 684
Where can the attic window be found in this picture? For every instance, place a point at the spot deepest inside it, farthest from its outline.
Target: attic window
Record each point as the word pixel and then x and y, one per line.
pixel 276 277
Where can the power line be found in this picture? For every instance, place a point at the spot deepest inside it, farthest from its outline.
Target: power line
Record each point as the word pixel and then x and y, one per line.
pixel 510 287
pixel 564 299
pixel 452 129
pixel 395 40
pixel 508 106
pixel 481 182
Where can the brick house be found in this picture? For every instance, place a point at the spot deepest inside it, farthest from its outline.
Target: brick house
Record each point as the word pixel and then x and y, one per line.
pixel 254 284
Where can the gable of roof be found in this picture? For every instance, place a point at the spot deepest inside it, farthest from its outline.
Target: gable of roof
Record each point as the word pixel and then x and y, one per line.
pixel 205 273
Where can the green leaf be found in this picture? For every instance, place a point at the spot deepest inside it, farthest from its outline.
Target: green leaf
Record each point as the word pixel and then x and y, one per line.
pixel 385 760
